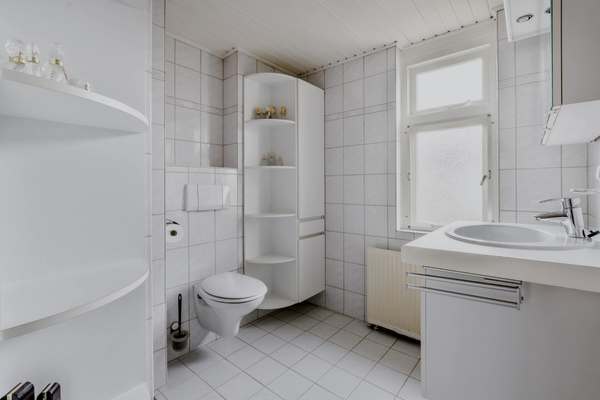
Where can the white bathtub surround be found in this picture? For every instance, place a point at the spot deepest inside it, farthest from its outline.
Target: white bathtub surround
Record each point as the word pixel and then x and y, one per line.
pixel 303 352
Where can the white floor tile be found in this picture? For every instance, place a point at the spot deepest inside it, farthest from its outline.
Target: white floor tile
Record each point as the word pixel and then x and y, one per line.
pixel 339 382
pixel 226 346
pixel 399 361
pixel 266 370
pixel 356 364
pixel 200 359
pixel 386 378
pixel 358 327
pixel 345 339
pixel 217 372
pixel 268 343
pixel 410 347
pixel 320 313
pixel 268 324
pixel 307 341
pixel 382 337
pixel 330 352
pixel 324 330
pixel 290 385
pixel 265 394
pixel 183 384
pixel 287 315
pixel 312 367
pixel 372 350
pixel 245 357
pixel 251 333
pixel 411 390
pixel 416 373
pixel 318 393
pixel 241 387
pixel 338 320
pixel 366 391
pixel 212 396
pixel 304 322
pixel 288 354
pixel 287 332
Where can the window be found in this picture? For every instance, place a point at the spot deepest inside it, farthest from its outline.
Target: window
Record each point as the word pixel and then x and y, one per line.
pixel 445 171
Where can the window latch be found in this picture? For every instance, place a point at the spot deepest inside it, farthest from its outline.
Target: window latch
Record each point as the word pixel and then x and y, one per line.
pixel 486 176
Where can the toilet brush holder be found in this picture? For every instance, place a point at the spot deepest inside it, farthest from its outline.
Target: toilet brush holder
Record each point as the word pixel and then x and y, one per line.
pixel 178 338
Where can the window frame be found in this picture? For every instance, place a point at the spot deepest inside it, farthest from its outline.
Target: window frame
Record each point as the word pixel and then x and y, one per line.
pixel 452 110
pixel 479 40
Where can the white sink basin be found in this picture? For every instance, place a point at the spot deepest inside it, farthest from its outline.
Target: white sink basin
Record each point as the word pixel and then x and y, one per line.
pixel 511 236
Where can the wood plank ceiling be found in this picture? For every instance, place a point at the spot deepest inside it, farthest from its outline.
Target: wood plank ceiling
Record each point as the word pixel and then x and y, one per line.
pixel 307 34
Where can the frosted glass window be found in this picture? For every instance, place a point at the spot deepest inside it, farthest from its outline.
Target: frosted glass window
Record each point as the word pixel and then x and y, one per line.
pixel 449 85
pixel 448 166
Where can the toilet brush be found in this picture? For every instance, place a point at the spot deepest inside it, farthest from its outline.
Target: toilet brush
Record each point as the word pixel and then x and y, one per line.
pixel 179 337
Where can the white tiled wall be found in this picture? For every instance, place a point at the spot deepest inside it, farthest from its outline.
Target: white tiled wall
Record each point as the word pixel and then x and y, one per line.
pixel 360 173
pixel 155 162
pixel 360 157
pixel 210 243
pixel 194 106
pixel 529 171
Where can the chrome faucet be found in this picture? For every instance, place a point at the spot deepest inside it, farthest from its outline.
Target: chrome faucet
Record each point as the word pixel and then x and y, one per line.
pixel 570 217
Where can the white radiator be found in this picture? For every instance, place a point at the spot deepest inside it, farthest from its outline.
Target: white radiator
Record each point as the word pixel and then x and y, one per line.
pixel 390 304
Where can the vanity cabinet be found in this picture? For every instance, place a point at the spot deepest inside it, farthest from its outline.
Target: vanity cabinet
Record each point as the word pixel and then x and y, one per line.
pixel 575 81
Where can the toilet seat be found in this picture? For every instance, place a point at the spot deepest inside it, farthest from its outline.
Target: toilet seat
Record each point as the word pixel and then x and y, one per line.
pixel 231 287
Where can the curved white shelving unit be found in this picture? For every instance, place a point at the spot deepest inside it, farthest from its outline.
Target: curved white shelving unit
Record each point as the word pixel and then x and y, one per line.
pixel 270 167
pixel 28 96
pixel 271 215
pixel 269 122
pixel 63 296
pixel 270 259
pixel 275 301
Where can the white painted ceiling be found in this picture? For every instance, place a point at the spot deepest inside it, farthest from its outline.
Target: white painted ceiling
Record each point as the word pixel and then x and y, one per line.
pixel 300 35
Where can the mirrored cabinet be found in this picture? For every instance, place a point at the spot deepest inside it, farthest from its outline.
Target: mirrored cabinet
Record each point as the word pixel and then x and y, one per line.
pixel 574 116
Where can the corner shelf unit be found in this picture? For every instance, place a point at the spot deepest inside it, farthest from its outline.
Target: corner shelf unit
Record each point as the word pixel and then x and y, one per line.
pixel 27 96
pixel 64 296
pixel 274 202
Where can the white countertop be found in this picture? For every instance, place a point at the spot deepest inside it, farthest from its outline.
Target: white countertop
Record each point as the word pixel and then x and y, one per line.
pixel 577 268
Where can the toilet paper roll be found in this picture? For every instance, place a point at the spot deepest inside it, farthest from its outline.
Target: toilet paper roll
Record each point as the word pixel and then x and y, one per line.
pixel 173 232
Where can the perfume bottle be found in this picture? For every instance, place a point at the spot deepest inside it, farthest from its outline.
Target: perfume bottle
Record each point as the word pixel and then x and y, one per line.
pixel 16 59
pixel 54 69
pixel 32 59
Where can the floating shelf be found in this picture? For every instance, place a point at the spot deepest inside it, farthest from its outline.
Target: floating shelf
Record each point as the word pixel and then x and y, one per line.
pixel 270 122
pixel 271 167
pixel 275 301
pixel 270 259
pixel 271 215
pixel 28 96
pixel 30 305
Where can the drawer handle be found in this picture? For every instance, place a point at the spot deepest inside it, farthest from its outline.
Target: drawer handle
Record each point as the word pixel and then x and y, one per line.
pixel 481 299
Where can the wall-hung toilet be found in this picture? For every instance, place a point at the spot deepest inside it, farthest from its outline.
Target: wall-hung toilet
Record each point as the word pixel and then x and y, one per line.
pixel 223 299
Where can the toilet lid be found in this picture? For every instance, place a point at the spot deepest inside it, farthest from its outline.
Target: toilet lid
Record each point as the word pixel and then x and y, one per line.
pixel 231 285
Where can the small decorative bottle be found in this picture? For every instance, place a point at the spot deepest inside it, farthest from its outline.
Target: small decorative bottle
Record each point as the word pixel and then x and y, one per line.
pixel 54 69
pixel 16 59
pixel 32 58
